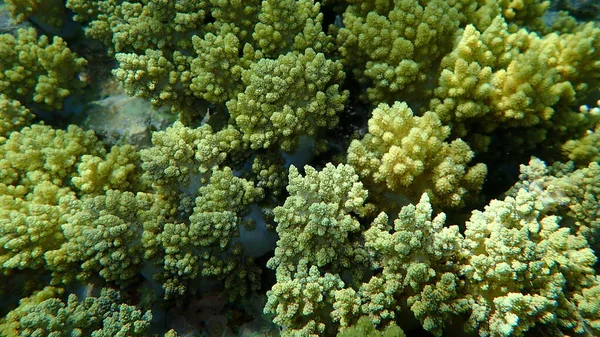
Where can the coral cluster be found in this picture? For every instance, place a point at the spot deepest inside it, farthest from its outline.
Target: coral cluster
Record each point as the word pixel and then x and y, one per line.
pixel 369 168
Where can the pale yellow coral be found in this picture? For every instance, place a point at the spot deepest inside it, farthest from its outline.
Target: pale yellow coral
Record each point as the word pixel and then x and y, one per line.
pixel 504 78
pixel 587 148
pixel 408 155
pixel 37 69
pixel 117 171
pixel 500 78
pixel 524 270
pixel 13 115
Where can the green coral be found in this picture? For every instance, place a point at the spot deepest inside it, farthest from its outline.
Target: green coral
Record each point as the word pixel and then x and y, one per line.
pixel 565 191
pixel 587 148
pixel 102 237
pixel 37 69
pixel 182 55
pixel 182 157
pixel 203 246
pixel 317 217
pixel 45 314
pixel 29 227
pixel 388 48
pixel 403 152
pixel 50 13
pixel 414 254
pixel 515 269
pixel 13 115
pixel 413 264
pixel 415 99
pixel 295 95
pixel 364 327
pixel 284 26
pixel 534 269
pixel 43 171
pixel 217 71
pixel 118 170
pixel 36 166
pixel 301 299
pixel 315 225
pixel 498 79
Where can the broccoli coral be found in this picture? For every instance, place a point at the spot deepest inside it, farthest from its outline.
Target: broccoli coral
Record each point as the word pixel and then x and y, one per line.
pixel 497 79
pixel 415 253
pixel 37 69
pixel 13 115
pixel 50 14
pixel 567 192
pixel 42 172
pixel 295 95
pixel 319 139
pixel 102 237
pixel 317 218
pixel 202 245
pixel 407 154
pixel 515 268
pixel 45 314
pixel 364 328
pixel 36 166
pixel 587 148
pixel 181 55
pixel 386 48
pixel 524 270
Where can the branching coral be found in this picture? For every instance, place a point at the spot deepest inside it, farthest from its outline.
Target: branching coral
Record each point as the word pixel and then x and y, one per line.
pixel 498 79
pixel 13 115
pixel 37 69
pixel 269 95
pixel 292 96
pixel 534 270
pixel 44 313
pixel 407 154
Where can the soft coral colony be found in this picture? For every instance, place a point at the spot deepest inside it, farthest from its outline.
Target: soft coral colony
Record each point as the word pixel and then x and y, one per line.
pixel 337 155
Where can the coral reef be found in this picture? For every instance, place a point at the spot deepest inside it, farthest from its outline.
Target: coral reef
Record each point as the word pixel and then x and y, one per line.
pixel 299 168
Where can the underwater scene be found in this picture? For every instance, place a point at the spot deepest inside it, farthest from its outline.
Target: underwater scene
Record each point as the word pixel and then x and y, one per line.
pixel 299 168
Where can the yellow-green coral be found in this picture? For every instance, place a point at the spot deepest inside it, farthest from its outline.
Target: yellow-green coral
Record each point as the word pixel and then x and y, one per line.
pixel 364 328
pixel 38 69
pixel 101 235
pixel 39 173
pixel 45 313
pixel 389 51
pixel 217 71
pixel 301 299
pixel 412 257
pixel 29 227
pixel 286 25
pixel 316 225
pixel 50 13
pixel 266 86
pixel 40 153
pixel 317 216
pixel 516 267
pixel 200 246
pixel 587 148
pixel 295 95
pixel 523 269
pixel 408 155
pixel 181 156
pixel 567 192
pixel 502 79
pixel 13 115
pixel 119 169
